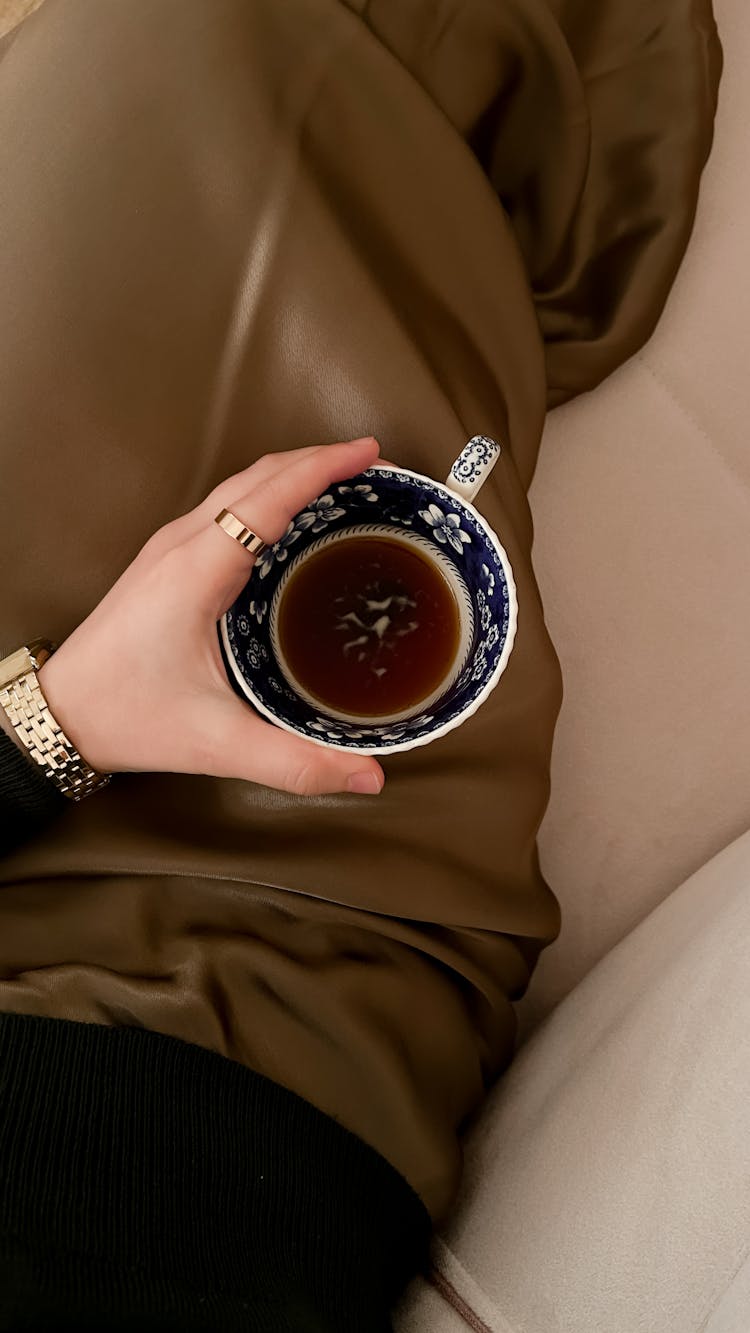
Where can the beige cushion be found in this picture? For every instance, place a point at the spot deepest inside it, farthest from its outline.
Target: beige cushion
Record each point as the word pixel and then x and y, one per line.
pixel 606 1186
pixel 642 512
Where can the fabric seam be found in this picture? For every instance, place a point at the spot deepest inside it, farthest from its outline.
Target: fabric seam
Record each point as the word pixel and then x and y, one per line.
pixel 449 1294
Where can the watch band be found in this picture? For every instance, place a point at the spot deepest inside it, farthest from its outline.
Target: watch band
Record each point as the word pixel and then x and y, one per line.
pixel 43 738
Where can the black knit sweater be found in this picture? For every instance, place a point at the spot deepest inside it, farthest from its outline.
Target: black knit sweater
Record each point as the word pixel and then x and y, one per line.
pixel 146 1183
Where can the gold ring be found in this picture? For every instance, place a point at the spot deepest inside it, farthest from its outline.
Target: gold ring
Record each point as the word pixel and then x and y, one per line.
pixel 241 533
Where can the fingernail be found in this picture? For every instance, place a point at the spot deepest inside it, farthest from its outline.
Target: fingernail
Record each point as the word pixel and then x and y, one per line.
pixel 365 783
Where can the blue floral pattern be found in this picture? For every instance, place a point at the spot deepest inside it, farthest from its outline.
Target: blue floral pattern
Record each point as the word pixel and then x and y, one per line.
pixel 480 453
pixel 364 492
pixel 485 610
pixel 404 500
pixel 279 552
pixel 335 731
pixel 321 512
pixel 257 654
pixel 446 527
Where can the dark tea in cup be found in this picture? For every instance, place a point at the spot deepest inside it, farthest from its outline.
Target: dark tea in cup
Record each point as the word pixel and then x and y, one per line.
pixel 368 626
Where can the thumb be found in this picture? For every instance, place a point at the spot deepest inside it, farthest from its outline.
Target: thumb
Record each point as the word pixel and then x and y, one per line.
pixel 245 746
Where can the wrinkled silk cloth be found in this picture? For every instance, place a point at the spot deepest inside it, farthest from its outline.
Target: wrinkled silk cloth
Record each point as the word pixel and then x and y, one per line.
pixel 230 227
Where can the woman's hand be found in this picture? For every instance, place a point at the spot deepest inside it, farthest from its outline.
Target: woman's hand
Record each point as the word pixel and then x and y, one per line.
pixel 140 685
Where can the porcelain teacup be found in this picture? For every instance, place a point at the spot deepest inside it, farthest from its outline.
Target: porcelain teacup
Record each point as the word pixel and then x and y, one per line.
pixel 437 518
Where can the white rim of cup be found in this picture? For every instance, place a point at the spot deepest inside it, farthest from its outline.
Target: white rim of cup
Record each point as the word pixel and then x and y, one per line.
pixel 396 747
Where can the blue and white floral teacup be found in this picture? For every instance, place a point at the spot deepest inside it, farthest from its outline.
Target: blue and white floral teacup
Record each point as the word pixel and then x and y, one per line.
pixel 441 520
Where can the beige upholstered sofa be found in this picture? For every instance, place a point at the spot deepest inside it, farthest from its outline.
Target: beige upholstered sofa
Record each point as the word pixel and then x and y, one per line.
pixel 607 1185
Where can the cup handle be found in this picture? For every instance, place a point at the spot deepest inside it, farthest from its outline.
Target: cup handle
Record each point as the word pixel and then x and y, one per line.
pixel 473 466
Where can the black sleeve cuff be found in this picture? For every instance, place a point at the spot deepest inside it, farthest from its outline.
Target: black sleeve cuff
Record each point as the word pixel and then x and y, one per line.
pixel 28 800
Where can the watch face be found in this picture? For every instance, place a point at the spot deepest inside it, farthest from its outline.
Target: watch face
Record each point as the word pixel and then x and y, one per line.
pixel 30 657
pixel 39 651
pixel 16 664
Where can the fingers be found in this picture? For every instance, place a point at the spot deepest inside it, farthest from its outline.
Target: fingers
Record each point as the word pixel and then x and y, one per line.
pixel 267 508
pixel 178 530
pixel 227 492
pixel 224 495
pixel 275 502
pixel 243 746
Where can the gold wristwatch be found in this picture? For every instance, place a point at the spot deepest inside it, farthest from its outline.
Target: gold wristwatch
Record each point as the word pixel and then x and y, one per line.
pixel 43 738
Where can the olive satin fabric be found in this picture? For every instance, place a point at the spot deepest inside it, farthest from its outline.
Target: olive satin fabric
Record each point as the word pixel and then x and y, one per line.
pixel 229 227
